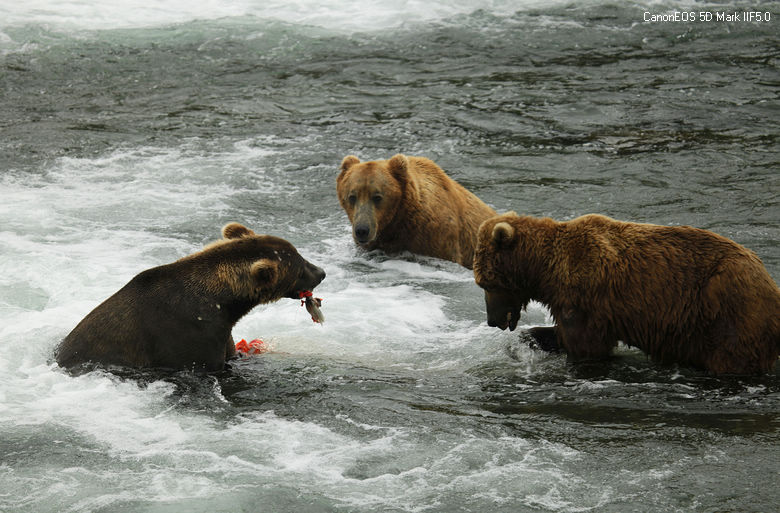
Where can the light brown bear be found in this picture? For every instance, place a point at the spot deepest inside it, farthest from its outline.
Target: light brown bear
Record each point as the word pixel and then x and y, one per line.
pixel 680 294
pixel 410 204
pixel 180 315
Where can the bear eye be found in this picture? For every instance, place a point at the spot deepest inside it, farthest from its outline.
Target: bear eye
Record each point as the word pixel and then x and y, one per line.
pixel 352 199
pixel 376 198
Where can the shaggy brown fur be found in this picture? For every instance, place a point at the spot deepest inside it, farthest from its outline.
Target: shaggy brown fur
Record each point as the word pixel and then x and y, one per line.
pixel 681 294
pixel 410 204
pixel 180 315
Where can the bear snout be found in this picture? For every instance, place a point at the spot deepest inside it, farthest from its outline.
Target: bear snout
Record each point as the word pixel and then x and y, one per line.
pixel 493 323
pixel 364 225
pixel 318 274
pixel 502 310
pixel 362 232
pixel 311 276
pixel 507 320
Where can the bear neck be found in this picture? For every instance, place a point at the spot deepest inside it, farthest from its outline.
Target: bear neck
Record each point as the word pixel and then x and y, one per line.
pixel 235 309
pixel 539 262
pixel 209 299
pixel 221 310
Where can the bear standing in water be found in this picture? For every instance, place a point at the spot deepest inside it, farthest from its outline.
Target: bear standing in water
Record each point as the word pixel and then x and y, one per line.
pixel 180 315
pixel 410 204
pixel 680 294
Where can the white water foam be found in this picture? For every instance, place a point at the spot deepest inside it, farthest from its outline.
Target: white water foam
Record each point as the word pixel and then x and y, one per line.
pixel 340 15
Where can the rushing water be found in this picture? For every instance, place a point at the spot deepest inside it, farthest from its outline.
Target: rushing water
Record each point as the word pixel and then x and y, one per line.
pixel 130 132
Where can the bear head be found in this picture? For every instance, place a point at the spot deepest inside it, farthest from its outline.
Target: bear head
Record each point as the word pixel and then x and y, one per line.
pixel 505 266
pixel 371 193
pixel 257 268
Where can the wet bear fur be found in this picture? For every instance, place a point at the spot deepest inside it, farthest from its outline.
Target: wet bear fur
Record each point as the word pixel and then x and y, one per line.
pixel 410 204
pixel 680 294
pixel 180 315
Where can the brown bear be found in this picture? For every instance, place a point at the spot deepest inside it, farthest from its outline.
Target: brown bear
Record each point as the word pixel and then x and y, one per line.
pixel 180 315
pixel 680 294
pixel 410 204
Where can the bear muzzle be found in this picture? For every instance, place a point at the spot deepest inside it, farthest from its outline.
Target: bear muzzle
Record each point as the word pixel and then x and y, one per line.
pixel 309 279
pixel 502 312
pixel 364 226
pixel 362 233
pixel 507 320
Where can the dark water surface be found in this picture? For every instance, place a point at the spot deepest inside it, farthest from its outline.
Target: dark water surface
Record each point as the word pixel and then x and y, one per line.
pixel 128 145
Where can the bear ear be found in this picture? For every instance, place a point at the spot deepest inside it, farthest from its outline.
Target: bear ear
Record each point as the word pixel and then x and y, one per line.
pixel 236 231
pixel 348 162
pixel 503 234
pixel 398 165
pixel 512 213
pixel 264 271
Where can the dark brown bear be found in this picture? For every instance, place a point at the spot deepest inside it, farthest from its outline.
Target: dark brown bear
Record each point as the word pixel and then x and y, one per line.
pixel 410 204
pixel 680 294
pixel 180 315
